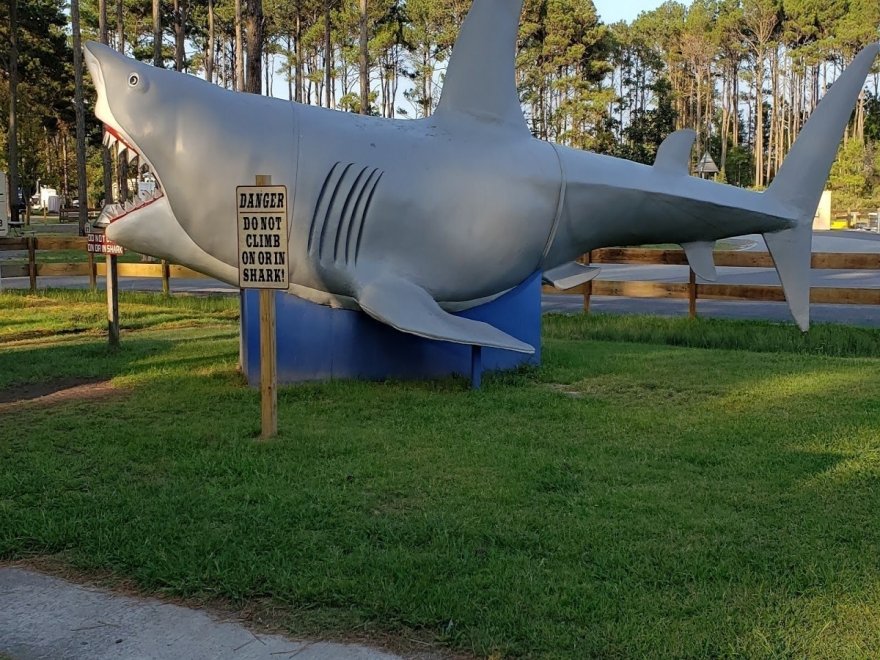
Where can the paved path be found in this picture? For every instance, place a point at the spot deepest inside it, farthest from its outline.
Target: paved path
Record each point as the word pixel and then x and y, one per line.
pixel 49 618
pixel 862 315
pixel 193 286
pixel 858 315
pixel 837 241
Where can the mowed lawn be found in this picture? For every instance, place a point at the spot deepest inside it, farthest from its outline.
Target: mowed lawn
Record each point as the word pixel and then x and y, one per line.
pixel 627 499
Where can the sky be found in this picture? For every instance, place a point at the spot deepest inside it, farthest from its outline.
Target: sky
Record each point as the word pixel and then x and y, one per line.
pixel 611 11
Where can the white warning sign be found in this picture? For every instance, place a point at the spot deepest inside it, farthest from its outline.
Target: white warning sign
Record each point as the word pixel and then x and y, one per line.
pixel 262 237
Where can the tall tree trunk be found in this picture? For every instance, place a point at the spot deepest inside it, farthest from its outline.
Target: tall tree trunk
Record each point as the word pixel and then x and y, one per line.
pixel 267 68
pixel 65 163
pixel 106 160
pixel 759 121
pixel 328 55
pixel 209 47
pixel 157 34
pixel 79 108
pixel 239 49
pixel 290 56
pixel 774 96
pixel 725 120
pixel 221 62
pixel 254 46
pixel 308 79
pixel 298 64
pixel 734 108
pixel 364 63
pixel 426 85
pixel 859 127
pixel 179 34
pixel 120 27
pixel 122 163
pixel 13 103
pixel 393 78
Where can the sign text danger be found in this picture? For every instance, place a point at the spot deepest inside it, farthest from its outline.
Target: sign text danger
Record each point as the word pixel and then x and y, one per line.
pixel 262 237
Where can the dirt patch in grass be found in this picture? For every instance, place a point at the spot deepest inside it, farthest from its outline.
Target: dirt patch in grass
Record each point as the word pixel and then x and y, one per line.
pixel 47 332
pixel 62 390
pixel 567 390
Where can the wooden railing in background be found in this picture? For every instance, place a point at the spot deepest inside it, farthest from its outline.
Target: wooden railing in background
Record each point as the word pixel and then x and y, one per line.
pixel 92 267
pixel 693 290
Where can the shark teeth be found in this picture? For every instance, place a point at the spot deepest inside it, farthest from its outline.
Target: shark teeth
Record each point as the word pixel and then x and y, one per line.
pixel 126 153
pixel 113 212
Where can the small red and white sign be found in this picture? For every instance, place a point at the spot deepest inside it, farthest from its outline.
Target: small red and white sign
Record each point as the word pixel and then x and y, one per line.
pixel 100 244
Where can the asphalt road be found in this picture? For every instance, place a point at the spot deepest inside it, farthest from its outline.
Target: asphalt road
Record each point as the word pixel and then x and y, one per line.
pixel 858 315
pixel 193 286
pixel 822 242
pixel 847 242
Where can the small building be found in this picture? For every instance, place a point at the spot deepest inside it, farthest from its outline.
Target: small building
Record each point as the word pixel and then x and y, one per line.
pixel 706 167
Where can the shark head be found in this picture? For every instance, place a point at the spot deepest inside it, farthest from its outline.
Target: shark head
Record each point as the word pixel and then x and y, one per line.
pixel 192 137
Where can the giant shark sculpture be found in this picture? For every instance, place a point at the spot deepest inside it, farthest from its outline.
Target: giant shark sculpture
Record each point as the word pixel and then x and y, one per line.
pixel 411 220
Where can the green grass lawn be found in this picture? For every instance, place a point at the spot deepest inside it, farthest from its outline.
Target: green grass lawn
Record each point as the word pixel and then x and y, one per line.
pixel 647 497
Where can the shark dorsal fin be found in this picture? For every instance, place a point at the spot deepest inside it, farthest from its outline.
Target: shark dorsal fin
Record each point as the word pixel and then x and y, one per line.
pixel 480 80
pixel 674 155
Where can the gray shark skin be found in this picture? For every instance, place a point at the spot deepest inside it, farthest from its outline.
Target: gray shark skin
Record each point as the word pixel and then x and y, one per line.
pixel 409 220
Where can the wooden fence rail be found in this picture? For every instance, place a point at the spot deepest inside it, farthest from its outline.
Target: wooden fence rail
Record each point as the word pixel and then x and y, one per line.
pixel 692 290
pixel 93 268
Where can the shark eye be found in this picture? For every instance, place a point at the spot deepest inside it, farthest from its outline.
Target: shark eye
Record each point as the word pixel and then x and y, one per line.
pixel 133 80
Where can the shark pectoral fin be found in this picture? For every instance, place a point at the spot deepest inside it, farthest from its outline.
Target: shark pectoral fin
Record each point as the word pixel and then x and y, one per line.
pixel 699 256
pixel 570 275
pixel 409 308
pixel 674 154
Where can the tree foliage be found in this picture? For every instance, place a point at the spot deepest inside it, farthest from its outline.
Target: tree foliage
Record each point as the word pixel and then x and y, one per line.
pixel 744 74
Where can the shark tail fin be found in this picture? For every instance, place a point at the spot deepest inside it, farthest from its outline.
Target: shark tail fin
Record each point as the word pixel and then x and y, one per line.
pixel 798 185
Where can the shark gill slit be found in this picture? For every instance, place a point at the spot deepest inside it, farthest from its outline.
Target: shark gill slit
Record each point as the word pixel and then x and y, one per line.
pixel 313 229
pixel 357 214
pixel 360 233
pixel 345 218
pixel 328 212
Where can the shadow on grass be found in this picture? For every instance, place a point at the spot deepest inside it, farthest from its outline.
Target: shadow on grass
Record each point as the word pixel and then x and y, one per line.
pixel 822 339
pixel 685 503
pixel 85 359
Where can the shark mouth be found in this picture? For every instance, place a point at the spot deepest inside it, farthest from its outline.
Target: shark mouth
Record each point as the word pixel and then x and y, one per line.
pixel 125 152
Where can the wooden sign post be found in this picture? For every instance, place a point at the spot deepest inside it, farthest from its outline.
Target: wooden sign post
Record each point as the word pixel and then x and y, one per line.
pixel 263 264
pixel 112 300
pixel 98 243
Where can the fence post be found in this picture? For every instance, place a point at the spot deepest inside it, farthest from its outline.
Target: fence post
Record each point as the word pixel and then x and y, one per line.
pixel 112 281
pixel 166 276
pixel 93 272
pixel 692 294
pixel 32 261
pixel 588 287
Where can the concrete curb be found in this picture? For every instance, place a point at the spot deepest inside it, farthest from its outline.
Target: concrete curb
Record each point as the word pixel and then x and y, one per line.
pixel 47 617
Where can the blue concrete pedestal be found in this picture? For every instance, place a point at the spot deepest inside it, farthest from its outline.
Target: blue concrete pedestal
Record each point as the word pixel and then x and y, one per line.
pixel 319 343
